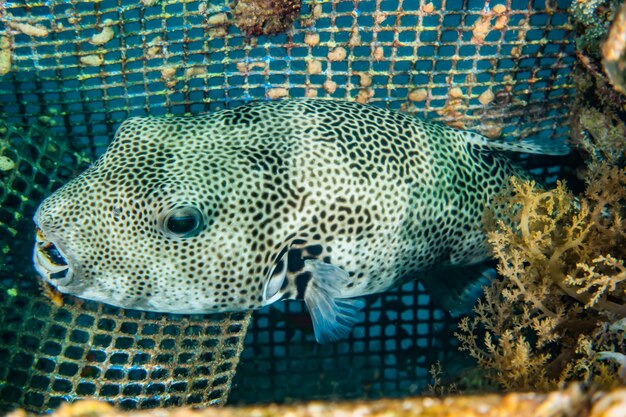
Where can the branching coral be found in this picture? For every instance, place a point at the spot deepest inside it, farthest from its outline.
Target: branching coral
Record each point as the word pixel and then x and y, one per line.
pixel 549 319
pixel 595 280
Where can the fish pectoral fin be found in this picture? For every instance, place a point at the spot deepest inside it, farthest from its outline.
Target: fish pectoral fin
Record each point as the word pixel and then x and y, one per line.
pixel 456 289
pixel 333 317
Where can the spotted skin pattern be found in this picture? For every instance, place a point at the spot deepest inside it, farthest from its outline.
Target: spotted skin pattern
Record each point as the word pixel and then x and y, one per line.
pixel 379 194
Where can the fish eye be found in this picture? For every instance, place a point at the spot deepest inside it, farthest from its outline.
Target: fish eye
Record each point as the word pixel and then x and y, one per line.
pixel 183 222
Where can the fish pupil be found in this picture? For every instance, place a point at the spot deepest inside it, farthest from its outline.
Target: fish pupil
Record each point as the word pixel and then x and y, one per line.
pixel 182 225
pixel 183 222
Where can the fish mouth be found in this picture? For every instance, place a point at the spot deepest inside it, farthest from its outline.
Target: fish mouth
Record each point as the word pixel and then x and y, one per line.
pixel 50 261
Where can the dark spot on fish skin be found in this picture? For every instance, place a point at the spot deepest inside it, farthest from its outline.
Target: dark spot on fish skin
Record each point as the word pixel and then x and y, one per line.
pixel 302 280
pixel 265 222
pixel 238 119
pixel 241 117
pixel 327 140
pixel 294 260
pixel 268 159
pixel 314 250
pixel 303 202
pixel 487 158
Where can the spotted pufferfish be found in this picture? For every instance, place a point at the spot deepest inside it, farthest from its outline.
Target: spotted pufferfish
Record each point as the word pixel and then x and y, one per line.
pixel 325 201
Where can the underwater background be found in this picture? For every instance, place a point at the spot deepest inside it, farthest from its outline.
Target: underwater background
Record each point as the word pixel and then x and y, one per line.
pixel 71 72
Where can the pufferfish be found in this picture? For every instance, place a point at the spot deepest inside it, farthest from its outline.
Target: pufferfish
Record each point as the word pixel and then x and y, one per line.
pixel 324 201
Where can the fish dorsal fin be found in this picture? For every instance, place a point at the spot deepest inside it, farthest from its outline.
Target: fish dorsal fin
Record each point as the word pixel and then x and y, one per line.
pixel 333 317
pixel 456 289
pixel 535 146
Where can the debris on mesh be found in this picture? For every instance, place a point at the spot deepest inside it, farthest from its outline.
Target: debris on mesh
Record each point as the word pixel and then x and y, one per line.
pixel 264 17
pixel 277 92
pixel 454 108
pixel 571 402
pixel 5 55
pixel 92 60
pixel 495 18
pixel 105 35
pixel 35 31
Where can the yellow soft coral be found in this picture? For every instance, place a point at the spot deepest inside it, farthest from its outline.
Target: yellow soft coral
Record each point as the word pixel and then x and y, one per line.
pixel 548 319
pixel 604 277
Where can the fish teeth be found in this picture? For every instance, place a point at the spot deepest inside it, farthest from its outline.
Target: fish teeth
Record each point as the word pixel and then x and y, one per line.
pixel 42 259
pixel 44 264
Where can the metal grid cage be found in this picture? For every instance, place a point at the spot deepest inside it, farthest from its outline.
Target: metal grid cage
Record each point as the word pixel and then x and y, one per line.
pixel 33 164
pixel 55 353
pixel 171 57
pixel 389 354
pixel 81 67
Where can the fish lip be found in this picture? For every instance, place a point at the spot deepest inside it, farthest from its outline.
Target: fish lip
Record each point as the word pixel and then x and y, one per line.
pixel 51 262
